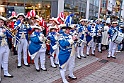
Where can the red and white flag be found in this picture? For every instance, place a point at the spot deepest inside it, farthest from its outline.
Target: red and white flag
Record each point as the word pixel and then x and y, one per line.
pixel 32 13
pixel 28 15
pixel 42 22
pixel 61 18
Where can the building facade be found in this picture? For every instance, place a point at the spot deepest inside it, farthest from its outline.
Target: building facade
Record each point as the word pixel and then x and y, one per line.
pixel 50 8
pixel 112 7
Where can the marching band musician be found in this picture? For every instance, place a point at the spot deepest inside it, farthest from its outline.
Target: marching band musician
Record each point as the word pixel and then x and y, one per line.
pixel 11 25
pixel 98 36
pixel 122 28
pixel 66 54
pixel 35 20
pixel 37 48
pixel 54 49
pixel 73 32
pixel 90 33
pixel 4 49
pixel 22 34
pixel 112 45
pixel 61 31
pixel 53 37
pixel 81 37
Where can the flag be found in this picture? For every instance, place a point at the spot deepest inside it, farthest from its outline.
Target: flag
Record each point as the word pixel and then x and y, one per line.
pixel 42 22
pixel 61 18
pixel 32 13
pixel 28 15
pixel 68 20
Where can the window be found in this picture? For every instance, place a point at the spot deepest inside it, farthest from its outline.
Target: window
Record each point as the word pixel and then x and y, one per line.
pixel 103 3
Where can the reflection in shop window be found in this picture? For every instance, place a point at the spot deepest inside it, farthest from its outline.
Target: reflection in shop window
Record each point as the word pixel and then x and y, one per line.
pixel 42 8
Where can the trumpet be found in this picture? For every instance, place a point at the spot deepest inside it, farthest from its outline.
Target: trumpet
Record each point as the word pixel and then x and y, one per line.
pixel 26 24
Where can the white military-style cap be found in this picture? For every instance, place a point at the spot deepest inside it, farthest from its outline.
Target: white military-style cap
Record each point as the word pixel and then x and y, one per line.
pixel 37 27
pixel 21 14
pixel 3 18
pixel 83 20
pixel 52 27
pixel 54 19
pixel 72 25
pixel 62 25
pixel 114 22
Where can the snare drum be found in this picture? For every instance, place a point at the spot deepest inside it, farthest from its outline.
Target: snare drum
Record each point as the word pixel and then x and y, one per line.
pixel 118 37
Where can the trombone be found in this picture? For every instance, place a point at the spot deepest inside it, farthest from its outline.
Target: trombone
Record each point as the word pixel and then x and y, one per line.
pixel 11 33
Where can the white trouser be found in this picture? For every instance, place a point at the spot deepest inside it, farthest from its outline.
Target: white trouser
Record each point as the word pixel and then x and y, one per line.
pixel 80 51
pixel 112 48
pixel 22 46
pixel 41 54
pixel 70 64
pixel 99 46
pixel 4 55
pixel 56 57
pixel 92 46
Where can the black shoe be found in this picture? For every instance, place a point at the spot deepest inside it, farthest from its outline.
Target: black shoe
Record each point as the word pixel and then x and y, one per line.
pixel 37 70
pixel 87 54
pixel 72 78
pixel 84 56
pixel 8 76
pixel 114 57
pixel 56 63
pixel 53 67
pixel 27 65
pixel 19 66
pixel 108 57
pixel 93 54
pixel 43 69
pixel 79 57
pixel 100 51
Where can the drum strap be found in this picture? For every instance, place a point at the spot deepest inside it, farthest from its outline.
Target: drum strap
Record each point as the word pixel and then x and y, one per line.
pixel 115 37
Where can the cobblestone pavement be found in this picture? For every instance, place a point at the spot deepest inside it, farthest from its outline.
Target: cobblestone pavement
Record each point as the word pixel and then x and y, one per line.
pixel 89 70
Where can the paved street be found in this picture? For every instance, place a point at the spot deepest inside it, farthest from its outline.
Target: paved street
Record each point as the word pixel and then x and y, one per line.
pixel 89 70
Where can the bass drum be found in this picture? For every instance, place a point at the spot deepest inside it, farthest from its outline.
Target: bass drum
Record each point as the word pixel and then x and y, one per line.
pixel 118 37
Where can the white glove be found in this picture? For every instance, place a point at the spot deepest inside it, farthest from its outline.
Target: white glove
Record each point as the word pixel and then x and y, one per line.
pixel 71 41
pixel 2 34
pixel 27 25
pixel 44 45
pixel 3 42
pixel 56 37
